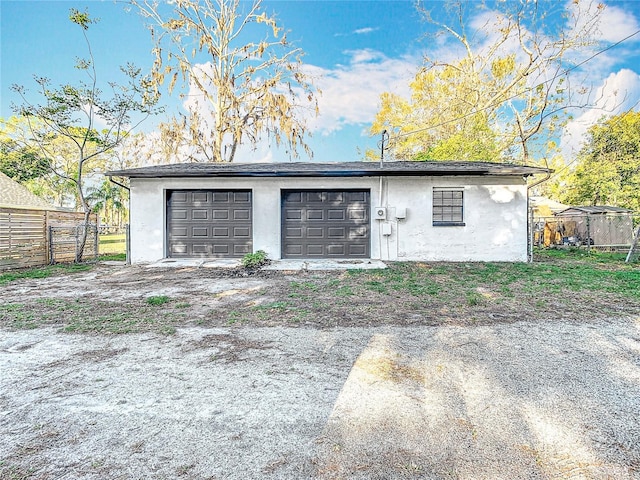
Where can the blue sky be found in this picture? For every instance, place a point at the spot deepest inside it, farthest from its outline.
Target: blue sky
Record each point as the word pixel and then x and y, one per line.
pixel 358 48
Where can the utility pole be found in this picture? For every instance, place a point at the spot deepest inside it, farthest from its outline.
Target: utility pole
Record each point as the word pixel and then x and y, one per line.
pixel 383 141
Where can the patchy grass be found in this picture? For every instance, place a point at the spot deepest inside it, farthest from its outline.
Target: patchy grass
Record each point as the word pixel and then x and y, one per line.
pixel 84 316
pixel 579 254
pixel 42 272
pixel 115 257
pixel 157 300
pixel 20 316
pixel 566 285
pixel 460 293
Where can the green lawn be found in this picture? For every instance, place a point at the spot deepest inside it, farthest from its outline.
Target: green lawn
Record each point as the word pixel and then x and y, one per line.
pixel 112 244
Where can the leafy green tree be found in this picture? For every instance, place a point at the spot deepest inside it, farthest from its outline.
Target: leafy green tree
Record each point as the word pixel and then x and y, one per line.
pixel 246 89
pixel 608 167
pixel 504 92
pixel 109 202
pixel 458 135
pixel 40 160
pixel 64 125
pixel 18 160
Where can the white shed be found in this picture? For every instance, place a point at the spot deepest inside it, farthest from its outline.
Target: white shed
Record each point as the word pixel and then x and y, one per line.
pixel 416 211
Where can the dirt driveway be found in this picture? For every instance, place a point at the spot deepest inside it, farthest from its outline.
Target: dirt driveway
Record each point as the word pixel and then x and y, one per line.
pixel 516 399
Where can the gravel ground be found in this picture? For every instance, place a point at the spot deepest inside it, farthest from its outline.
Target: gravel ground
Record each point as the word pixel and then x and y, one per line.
pixel 513 400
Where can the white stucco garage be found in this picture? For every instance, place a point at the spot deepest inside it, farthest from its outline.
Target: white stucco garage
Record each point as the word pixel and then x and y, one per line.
pixel 420 211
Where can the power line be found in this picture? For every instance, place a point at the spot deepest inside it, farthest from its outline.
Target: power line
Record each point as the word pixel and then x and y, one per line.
pixel 565 72
pixel 613 124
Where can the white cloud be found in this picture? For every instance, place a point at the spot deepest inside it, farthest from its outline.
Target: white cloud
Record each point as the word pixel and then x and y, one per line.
pixel 351 92
pixel 350 95
pixel 362 31
pixel 358 31
pixel 616 24
pixel 618 93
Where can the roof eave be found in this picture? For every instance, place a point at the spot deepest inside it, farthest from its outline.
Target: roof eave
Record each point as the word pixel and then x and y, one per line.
pixel 328 173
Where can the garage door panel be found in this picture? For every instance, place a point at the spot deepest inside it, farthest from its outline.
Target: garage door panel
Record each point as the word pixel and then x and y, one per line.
pixel 315 214
pixel 199 249
pixel 293 214
pixel 293 198
pixel 178 248
pixel 209 223
pixel 241 197
pixel 325 224
pixel 358 213
pixel 361 196
pixel 335 197
pixel 337 232
pixel 180 214
pixel 220 249
pixel 242 214
pixel 315 250
pixel 220 214
pixel 199 198
pixel 199 232
pixel 182 231
pixel 220 232
pixel 359 232
pixel 315 232
pixel 335 214
pixel 179 197
pixel 241 250
pixel 314 197
pixel 293 250
pixel 221 197
pixel 199 214
pixel 293 232
pixel 336 250
pixel 241 232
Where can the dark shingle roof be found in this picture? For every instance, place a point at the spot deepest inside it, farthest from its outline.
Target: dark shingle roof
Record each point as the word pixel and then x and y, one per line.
pixel 310 169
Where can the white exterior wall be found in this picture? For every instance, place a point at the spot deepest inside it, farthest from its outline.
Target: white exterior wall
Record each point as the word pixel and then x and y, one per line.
pixel 495 215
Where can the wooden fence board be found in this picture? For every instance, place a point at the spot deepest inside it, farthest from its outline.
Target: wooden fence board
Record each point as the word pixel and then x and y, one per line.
pixel 24 240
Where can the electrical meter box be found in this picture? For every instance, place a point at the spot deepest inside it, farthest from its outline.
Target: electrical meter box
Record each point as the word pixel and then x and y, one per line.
pixel 380 213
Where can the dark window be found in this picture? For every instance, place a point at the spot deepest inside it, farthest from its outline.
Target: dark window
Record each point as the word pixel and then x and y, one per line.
pixel 448 207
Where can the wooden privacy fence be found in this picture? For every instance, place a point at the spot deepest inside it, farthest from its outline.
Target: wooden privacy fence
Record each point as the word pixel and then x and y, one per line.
pixel 25 239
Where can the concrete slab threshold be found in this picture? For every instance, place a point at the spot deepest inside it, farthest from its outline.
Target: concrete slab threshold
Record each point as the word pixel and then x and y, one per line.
pixel 281 265
pixel 326 264
pixel 196 263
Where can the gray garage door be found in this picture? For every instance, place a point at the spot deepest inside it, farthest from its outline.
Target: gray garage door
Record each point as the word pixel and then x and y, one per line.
pixel 209 223
pixel 325 224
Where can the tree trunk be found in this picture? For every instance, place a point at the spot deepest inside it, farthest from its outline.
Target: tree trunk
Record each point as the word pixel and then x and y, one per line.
pixel 83 237
pixel 87 213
